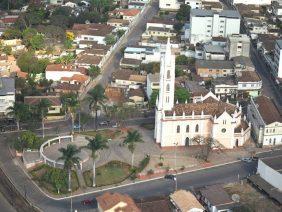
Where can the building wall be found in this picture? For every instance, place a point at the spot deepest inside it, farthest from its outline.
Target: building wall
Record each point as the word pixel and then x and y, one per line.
pixel 204 72
pixel 252 87
pixel 273 134
pixel 238 46
pixel 194 4
pixel 169 5
pixel 6 102
pixel 98 39
pixel 270 175
pixel 167 26
pixel 209 56
pixel 278 61
pixel 57 75
pixel 225 90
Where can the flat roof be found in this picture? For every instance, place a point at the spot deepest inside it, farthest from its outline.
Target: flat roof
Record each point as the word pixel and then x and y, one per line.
pixel 210 13
pixel 7 86
pixel 273 162
pixel 214 64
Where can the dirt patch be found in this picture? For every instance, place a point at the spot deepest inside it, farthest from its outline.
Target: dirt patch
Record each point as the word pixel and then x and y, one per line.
pixel 250 198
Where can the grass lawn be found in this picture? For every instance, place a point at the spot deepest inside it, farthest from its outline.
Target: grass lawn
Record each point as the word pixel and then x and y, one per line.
pixel 148 126
pixel 250 198
pixel 109 134
pixel 111 173
pixel 39 176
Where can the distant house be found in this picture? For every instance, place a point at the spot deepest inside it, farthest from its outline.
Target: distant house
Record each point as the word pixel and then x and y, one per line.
pixel 213 52
pixel 214 68
pixel 136 96
pixel 8 20
pixel 136 5
pixel 145 54
pixel 125 14
pixel 153 83
pixel 86 60
pixel 8 64
pixel 249 83
pixel 110 202
pixel 266 119
pixel 55 103
pixel 216 199
pixel 185 201
pixel 130 63
pixel 128 79
pixel 118 23
pixel 7 94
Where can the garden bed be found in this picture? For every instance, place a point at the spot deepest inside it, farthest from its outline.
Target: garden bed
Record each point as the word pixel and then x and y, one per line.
pixel 51 179
pixel 111 173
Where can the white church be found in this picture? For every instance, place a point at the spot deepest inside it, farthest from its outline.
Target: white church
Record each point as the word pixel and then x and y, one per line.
pixel 177 124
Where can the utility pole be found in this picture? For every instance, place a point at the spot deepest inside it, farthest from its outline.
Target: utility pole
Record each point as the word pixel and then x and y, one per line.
pixel 175 144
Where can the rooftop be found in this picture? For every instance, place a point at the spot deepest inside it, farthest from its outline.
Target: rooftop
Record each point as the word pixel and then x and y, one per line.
pixel 249 76
pixel 7 86
pixel 245 61
pixel 185 200
pixel 92 29
pixel 154 77
pixel 214 64
pixel 214 49
pixel 229 80
pixel 274 162
pixel 58 67
pixel 34 100
pixel 209 13
pixel 268 41
pixel 162 21
pixel 89 59
pixel 268 110
pixel 136 92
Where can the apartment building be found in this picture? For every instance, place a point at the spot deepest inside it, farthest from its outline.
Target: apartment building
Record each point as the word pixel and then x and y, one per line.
pixel 277 71
pixel 170 5
pixel 238 45
pixel 249 2
pixel 206 24
pixel 194 4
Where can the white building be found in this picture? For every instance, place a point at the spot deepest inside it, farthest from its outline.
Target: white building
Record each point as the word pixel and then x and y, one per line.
pixel 213 52
pixel 170 5
pixel 153 83
pixel 194 4
pixel 56 72
pixel 269 169
pixel 177 124
pixel 7 94
pixel 238 45
pixel 146 54
pixel 206 24
pixel 278 59
pixel 266 121
pixel 249 2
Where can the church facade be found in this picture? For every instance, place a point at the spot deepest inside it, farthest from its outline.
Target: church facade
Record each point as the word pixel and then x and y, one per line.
pixel 177 124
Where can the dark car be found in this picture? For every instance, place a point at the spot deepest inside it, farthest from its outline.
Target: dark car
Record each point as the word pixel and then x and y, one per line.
pixel 170 177
pixel 87 202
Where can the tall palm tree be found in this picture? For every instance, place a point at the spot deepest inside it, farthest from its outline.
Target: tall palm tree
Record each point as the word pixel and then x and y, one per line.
pixel 132 138
pixel 70 159
pixel 71 104
pixel 96 97
pixel 19 111
pixel 96 144
pixel 42 109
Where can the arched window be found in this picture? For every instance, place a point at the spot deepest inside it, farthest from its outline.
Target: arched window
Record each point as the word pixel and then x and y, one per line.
pixel 167 87
pixel 178 129
pixel 197 128
pixel 187 128
pixel 168 74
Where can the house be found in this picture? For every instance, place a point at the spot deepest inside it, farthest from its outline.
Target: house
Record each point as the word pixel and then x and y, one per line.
pixel 242 63
pixel 214 68
pixel 8 20
pixel 212 5
pixel 155 204
pixel 115 95
pixel 178 124
pixel 194 4
pixel 125 14
pixel 136 96
pixel 185 201
pixel 205 24
pixel 15 44
pixel 55 103
pixel 126 78
pixel 216 199
pixel 269 177
pixel 130 63
pixel 91 32
pixel 76 79
pixel 159 32
pixel 136 5
pixel 116 202
pixel 118 23
pixel 238 45
pixel 225 87
pixel 7 94
pixel 8 64
pixel 169 5
pixel 65 87
pixel 143 53
pixel 85 60
pixel 196 90
pixel 153 83
pixel 248 2
pixel 55 72
pixel 249 83
pixel 266 119
pixel 213 52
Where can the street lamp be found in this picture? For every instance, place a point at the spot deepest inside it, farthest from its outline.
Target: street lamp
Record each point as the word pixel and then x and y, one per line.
pixel 175 146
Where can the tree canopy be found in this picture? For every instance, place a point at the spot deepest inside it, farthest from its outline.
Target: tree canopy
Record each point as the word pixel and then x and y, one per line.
pixel 181 95
pixel 183 14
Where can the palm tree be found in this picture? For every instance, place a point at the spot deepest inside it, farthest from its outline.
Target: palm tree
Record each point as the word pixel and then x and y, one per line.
pixel 19 111
pixel 70 159
pixel 42 109
pixel 71 103
pixel 96 144
pixel 96 97
pixel 132 138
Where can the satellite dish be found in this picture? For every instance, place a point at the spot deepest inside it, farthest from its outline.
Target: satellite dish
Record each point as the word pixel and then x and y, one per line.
pixel 235 197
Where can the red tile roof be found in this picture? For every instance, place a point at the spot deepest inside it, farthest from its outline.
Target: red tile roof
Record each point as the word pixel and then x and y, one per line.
pixel 34 100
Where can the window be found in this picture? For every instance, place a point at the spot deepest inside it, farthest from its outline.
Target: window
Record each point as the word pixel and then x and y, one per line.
pixel 167 99
pixel 273 130
pixel 167 87
pixel 223 130
pixel 168 74
pixel 187 128
pixel 178 129
pixel 221 31
pixel 224 121
pixel 197 128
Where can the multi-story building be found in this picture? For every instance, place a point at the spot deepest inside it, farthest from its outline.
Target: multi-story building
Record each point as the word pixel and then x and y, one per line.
pixel 248 2
pixel 214 68
pixel 206 24
pixel 145 54
pixel 153 83
pixel 238 45
pixel 170 5
pixel 277 71
pixel 249 83
pixel 177 124
pixel 194 4
pixel 213 52
pixel 266 121
pixel 7 94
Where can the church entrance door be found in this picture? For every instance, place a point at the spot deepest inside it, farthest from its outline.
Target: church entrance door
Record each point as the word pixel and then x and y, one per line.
pixel 237 143
pixel 187 142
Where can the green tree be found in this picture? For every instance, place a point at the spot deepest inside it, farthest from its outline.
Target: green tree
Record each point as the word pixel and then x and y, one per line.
pixel 71 104
pixel 30 64
pixel 96 98
pixel 178 27
pixel 132 138
pixel 120 33
pixel 42 110
pixel 183 14
pixel 7 50
pixel 19 111
pixel 27 140
pixel 70 158
pixel 181 60
pixel 93 71
pixel 181 95
pixel 57 178
pixel 101 6
pixel 94 145
pixel 153 98
pixel 110 39
pixel 37 42
pixel 66 59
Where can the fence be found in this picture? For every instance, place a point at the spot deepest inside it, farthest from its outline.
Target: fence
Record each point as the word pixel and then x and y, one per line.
pixel 49 161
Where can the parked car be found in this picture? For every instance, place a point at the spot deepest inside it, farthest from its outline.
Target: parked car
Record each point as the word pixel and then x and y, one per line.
pixel 76 127
pixel 86 202
pixel 246 159
pixel 170 177
pixel 104 123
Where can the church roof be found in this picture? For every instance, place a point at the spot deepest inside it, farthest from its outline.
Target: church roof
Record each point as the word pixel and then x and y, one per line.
pixel 210 107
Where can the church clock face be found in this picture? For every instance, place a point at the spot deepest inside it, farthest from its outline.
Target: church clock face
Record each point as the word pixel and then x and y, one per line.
pixel 223 130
